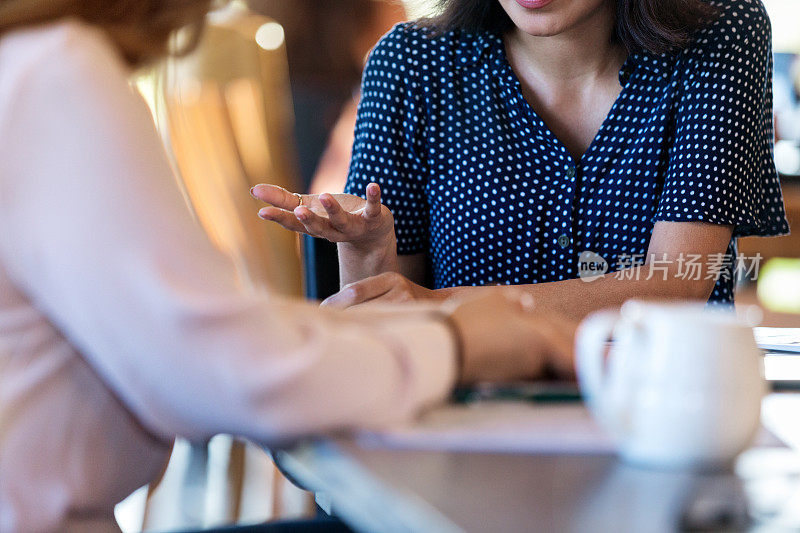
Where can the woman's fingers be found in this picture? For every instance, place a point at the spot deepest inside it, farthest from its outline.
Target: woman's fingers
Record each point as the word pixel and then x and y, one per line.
pixel 335 217
pixel 373 206
pixel 559 334
pixel 287 219
pixel 339 218
pixel 363 291
pixel 301 220
pixel 277 196
pixel 316 225
pixel 396 295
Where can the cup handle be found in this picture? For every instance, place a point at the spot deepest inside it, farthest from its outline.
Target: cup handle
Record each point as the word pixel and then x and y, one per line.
pixel 593 334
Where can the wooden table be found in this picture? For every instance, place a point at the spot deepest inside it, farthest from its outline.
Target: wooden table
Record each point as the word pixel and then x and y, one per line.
pixel 373 488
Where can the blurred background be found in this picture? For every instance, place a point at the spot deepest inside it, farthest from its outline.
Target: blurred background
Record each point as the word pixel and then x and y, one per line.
pixel 778 289
pixel 271 96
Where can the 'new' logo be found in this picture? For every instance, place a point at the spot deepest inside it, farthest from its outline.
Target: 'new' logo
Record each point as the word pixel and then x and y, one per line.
pixel 591 266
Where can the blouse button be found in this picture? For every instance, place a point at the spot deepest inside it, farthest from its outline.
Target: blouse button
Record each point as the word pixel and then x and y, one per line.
pixel 563 241
pixel 571 172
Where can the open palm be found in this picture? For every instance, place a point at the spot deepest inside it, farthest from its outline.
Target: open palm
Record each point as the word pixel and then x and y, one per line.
pixel 335 217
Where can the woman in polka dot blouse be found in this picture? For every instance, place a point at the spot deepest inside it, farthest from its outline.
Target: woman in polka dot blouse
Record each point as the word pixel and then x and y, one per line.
pixel 543 143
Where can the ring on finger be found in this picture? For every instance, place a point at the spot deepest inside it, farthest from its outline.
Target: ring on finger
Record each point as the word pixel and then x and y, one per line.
pixel 299 198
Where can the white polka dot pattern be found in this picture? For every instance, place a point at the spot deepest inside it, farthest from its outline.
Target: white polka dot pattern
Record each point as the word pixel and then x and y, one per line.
pixel 477 180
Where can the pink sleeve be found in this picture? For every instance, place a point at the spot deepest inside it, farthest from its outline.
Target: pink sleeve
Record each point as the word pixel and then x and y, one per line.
pixel 99 238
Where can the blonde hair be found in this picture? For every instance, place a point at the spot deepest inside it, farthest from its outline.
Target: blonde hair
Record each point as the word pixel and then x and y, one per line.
pixel 141 29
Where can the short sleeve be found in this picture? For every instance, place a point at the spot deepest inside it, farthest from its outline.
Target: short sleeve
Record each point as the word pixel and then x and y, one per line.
pixel 389 136
pixel 721 168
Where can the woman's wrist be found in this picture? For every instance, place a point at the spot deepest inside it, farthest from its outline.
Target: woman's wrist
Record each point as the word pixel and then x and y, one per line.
pixel 357 261
pixel 374 246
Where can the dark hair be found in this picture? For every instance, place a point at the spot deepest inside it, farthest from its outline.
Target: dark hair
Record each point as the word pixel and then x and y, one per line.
pixel 656 26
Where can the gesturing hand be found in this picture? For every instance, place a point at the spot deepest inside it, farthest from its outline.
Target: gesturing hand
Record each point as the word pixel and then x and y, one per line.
pixel 364 224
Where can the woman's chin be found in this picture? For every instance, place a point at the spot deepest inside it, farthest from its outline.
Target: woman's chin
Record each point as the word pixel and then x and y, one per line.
pixel 554 18
pixel 540 27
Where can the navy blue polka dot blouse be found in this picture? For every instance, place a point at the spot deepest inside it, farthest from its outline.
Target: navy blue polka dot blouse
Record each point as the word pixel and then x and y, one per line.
pixel 477 181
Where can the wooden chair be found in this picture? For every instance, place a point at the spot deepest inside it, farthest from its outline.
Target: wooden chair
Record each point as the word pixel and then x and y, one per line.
pixel 225 114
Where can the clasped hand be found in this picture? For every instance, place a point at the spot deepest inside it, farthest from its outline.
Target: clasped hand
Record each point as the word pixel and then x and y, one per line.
pixel 503 339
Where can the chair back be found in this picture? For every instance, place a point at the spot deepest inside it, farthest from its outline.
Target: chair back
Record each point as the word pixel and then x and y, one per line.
pixel 225 112
pixel 321 268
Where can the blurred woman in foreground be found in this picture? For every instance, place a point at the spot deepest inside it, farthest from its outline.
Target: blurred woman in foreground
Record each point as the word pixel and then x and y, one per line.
pixel 121 326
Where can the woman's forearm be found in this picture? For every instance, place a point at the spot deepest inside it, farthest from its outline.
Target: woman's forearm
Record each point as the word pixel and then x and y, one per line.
pixel 357 263
pixel 661 278
pixel 577 298
pixel 665 276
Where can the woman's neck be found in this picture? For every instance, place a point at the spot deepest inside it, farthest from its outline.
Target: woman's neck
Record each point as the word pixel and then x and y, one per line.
pixel 584 51
pixel 571 79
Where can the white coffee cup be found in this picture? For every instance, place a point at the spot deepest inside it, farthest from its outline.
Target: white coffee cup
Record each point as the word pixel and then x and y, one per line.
pixel 681 386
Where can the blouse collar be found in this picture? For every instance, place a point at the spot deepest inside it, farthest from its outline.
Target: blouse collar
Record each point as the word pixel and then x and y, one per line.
pixel 478 47
pixel 660 65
